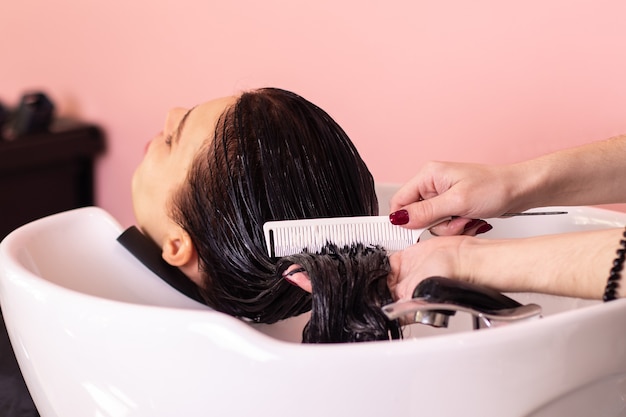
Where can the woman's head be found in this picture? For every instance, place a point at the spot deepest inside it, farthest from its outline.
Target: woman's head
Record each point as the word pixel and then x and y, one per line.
pixel 164 170
pixel 265 155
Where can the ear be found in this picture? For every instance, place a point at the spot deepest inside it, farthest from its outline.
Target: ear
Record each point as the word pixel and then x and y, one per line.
pixel 178 250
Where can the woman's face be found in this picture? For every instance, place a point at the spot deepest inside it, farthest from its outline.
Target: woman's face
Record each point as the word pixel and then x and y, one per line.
pixel 166 163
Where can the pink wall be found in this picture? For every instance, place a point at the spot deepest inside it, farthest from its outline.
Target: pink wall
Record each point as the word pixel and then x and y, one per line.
pixel 410 80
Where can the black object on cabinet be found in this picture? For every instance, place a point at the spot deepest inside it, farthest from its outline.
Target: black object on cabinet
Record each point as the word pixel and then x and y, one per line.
pixel 47 172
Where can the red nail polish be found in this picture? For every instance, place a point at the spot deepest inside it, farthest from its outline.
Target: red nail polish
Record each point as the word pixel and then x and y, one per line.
pixel 472 223
pixel 484 228
pixel 399 217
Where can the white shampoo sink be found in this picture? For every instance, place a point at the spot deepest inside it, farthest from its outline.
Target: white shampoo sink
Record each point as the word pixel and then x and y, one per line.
pixel 97 334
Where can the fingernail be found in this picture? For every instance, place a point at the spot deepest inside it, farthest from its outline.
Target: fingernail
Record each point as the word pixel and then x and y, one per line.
pixel 484 228
pixel 472 223
pixel 399 217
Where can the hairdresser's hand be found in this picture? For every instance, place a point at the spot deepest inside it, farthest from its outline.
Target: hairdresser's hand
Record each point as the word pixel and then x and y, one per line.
pixel 568 264
pixel 432 257
pixel 463 191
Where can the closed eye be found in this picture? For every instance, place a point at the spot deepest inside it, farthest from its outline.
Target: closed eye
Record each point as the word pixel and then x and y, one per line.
pixel 168 139
pixel 175 135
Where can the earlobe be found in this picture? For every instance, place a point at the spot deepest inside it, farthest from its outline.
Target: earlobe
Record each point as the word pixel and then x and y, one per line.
pixel 178 250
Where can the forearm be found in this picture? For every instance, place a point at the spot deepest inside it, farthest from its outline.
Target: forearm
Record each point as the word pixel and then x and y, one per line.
pixel 573 264
pixel 590 174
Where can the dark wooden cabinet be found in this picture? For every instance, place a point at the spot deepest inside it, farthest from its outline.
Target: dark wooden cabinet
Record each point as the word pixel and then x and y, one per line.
pixel 48 172
pixel 41 174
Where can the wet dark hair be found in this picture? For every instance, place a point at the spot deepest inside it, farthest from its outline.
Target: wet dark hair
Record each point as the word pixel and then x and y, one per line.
pixel 274 156
pixel 349 286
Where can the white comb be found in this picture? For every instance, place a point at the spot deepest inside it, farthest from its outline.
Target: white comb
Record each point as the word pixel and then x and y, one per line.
pixel 288 237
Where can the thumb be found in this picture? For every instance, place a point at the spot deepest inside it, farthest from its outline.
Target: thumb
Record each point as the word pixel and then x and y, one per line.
pixel 420 214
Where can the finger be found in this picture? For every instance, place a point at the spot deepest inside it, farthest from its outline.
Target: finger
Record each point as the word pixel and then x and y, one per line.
pixel 422 213
pixel 404 289
pixel 406 194
pixel 455 226
pixel 477 227
pixel 298 276
pixel 395 284
pixel 394 272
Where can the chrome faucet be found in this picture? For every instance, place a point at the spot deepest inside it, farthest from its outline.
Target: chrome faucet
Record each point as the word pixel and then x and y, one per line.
pixel 435 299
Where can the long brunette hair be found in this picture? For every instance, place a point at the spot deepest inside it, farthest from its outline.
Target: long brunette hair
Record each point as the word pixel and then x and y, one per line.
pixel 349 288
pixel 274 156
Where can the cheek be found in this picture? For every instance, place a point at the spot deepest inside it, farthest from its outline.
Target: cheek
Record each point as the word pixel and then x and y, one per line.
pixel 136 195
pixel 143 192
pixel 137 182
pixel 147 173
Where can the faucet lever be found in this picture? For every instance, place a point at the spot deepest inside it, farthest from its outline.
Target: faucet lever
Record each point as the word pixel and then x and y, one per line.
pixel 436 299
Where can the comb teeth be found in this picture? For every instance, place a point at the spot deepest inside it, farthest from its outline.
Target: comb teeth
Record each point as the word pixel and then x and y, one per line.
pixel 288 237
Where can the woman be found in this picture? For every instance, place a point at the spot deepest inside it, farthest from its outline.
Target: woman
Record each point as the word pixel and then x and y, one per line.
pixel 218 172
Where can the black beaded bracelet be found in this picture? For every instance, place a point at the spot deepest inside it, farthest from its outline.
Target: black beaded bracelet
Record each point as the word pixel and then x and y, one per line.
pixel 610 292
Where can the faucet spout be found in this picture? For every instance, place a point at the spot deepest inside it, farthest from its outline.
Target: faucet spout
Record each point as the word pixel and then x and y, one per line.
pixel 436 299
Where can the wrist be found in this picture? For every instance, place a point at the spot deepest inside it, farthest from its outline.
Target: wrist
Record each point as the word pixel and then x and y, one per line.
pixel 530 183
pixel 495 264
pixel 472 258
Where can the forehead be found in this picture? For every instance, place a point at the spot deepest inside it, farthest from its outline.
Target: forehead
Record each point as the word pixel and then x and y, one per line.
pixel 205 115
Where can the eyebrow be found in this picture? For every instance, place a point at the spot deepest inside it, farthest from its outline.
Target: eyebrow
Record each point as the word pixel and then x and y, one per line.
pixel 181 125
